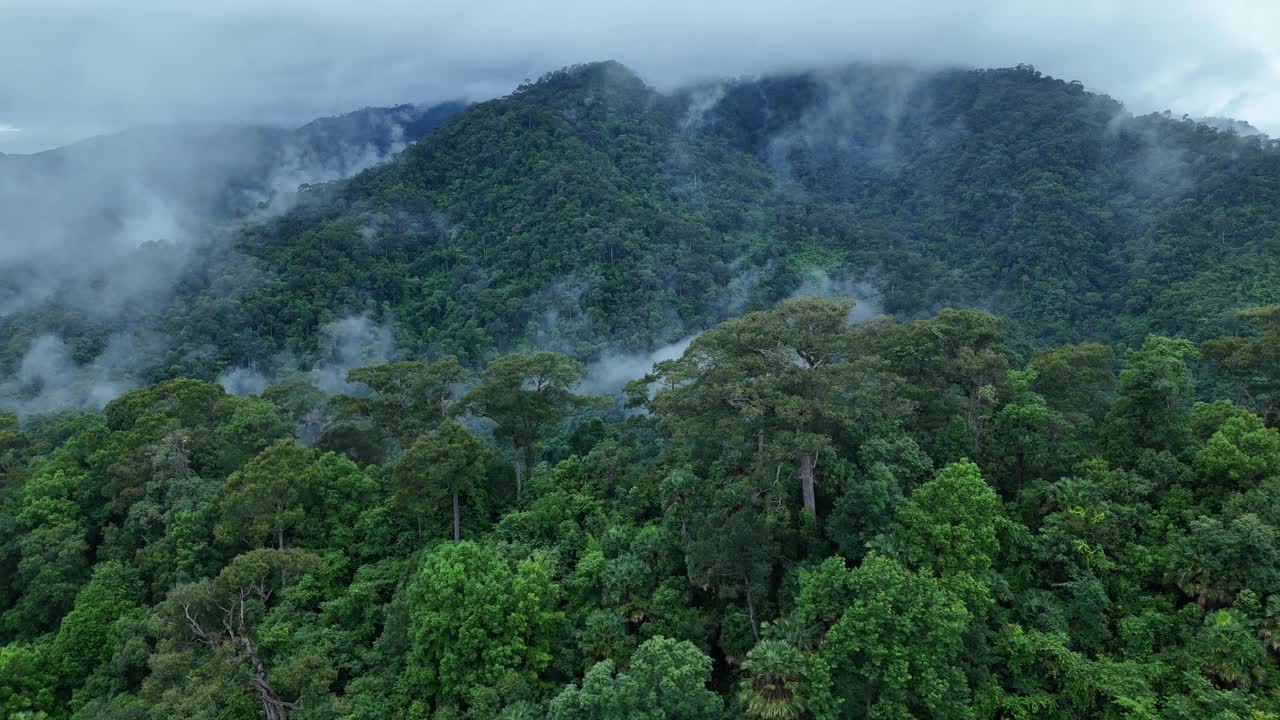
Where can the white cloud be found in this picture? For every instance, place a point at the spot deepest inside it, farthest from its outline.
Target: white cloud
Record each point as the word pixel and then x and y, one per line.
pixel 110 65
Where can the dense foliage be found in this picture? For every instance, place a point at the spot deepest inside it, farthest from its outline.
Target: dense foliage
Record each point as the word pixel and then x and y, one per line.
pixel 807 519
pixel 587 211
pixel 1063 508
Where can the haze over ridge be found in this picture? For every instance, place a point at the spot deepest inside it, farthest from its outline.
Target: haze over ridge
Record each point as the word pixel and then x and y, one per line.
pixel 284 62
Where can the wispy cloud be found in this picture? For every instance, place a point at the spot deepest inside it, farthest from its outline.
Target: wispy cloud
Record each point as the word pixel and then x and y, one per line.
pixel 6 129
pixel 89 69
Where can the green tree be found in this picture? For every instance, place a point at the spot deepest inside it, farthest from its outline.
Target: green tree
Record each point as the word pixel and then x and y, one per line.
pixel 780 384
pixel 949 524
pixel 225 614
pixel 896 650
pixel 875 488
pixel 731 551
pixel 1241 454
pixel 1251 362
pixel 773 686
pixel 525 395
pixel 15 448
pixel 473 620
pixel 1229 652
pixel 1076 380
pixel 267 498
pixel 407 399
pixel 1027 435
pixel 666 680
pixel 52 548
pixel 449 462
pixel 87 634
pixel 303 406
pixel 1155 394
pixel 953 364
pixel 1218 558
pixel 27 686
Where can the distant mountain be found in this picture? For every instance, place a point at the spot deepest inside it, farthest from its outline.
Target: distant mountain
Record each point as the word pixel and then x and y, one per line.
pixel 588 212
pixel 199 173
pixel 1239 127
pixel 93 200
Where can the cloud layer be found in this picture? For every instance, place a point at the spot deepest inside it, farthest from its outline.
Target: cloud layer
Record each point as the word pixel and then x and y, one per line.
pixel 74 69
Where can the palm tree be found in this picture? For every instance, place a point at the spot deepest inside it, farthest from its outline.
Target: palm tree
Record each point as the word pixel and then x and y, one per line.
pixel 1229 652
pixel 1269 625
pixel 792 630
pixel 774 687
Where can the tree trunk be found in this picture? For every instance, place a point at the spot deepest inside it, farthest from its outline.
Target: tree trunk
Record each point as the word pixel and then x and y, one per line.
pixel 279 526
pixel 457 519
pixel 806 483
pixel 276 708
pixel 973 416
pixel 519 471
pixel 751 614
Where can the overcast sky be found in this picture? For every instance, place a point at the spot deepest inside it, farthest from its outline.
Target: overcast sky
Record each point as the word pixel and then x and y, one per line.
pixel 70 69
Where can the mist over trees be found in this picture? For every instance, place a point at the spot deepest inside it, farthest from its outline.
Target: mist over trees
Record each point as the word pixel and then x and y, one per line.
pixel 858 393
pixel 589 214
pixel 812 518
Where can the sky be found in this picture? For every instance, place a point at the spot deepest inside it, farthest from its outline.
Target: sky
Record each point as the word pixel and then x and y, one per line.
pixel 71 69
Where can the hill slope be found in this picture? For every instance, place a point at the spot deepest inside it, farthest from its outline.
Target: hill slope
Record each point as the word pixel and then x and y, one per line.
pixel 588 211
pixel 98 198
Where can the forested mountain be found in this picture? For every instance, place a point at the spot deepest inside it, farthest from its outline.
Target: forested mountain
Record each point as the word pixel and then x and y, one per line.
pixel 204 172
pixel 108 222
pixel 969 408
pixel 587 211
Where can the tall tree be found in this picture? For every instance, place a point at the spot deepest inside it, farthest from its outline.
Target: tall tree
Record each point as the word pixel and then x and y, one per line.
pixel 87 634
pixel 1153 409
pixel 780 385
pixel 224 613
pixel 1028 438
pixel 1077 380
pixel 407 399
pixel 1253 362
pixel 266 499
pixel 51 545
pixel 730 550
pixel 526 395
pixel 949 528
pixel 449 462
pixel 954 365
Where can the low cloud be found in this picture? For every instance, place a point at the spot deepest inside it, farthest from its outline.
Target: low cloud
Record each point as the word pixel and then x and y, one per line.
pixel 49 380
pixel 289 60
pixel 607 375
pixel 867 301
pixel 243 381
pixel 351 342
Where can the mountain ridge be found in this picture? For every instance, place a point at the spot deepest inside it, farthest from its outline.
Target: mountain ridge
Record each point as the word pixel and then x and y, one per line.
pixel 588 212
